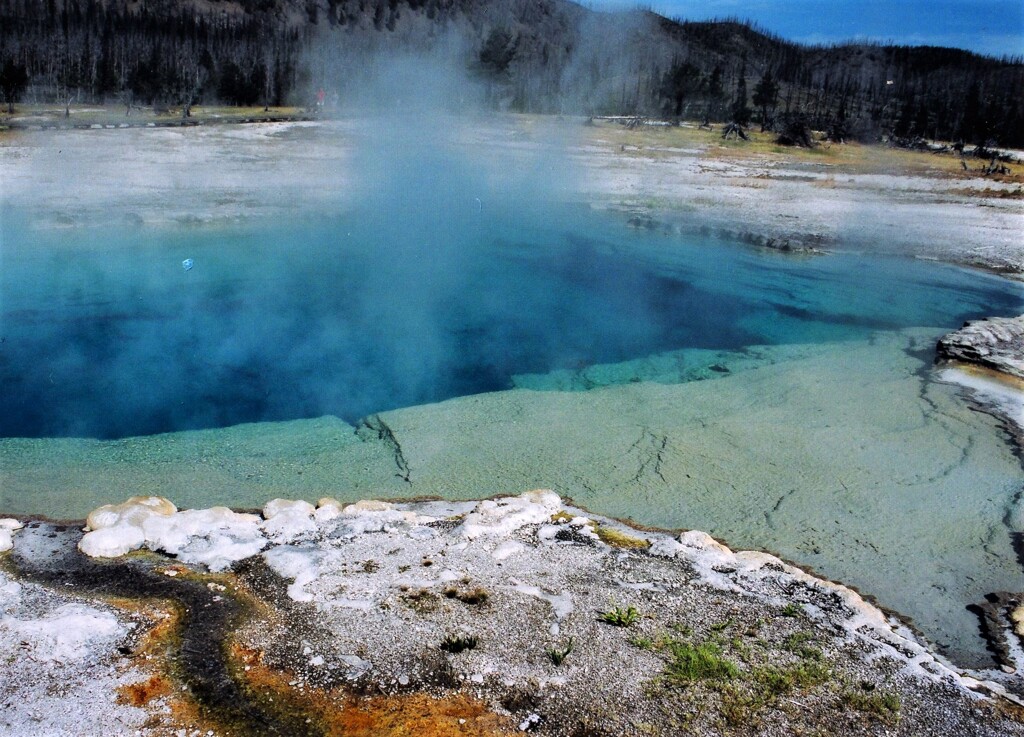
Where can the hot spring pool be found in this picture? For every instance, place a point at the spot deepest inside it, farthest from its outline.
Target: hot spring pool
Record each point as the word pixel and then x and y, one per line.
pixel 124 332
pixel 778 402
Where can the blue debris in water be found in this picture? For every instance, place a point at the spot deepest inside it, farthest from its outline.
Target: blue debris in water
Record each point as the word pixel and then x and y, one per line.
pixel 187 264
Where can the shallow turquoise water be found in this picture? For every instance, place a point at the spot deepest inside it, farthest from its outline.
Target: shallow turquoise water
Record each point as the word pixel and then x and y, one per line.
pixel 106 334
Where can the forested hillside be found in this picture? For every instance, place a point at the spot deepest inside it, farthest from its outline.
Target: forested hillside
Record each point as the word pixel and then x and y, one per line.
pixel 527 55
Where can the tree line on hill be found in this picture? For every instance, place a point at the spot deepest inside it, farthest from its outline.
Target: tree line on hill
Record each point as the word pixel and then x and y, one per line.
pixel 526 55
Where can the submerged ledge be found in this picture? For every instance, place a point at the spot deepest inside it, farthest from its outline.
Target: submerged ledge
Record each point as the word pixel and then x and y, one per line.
pixel 494 617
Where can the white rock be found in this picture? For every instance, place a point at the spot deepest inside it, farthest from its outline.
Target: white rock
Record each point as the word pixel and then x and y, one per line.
pixel 67 634
pixel 112 542
pixel 10 593
pixel 357 665
pixel 302 566
pixel 276 506
pixel 561 604
pixel 665 547
pixel 363 517
pixel 7 528
pixel 698 540
pixel 501 517
pixel 116 529
pixel 133 511
pixel 547 534
pixel 215 537
pixel 327 509
pixel 287 519
pixel 421 532
pixel 528 723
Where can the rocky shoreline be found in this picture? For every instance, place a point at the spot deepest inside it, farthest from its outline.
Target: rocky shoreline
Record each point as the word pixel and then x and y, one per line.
pixel 853 198
pixel 789 242
pixel 516 614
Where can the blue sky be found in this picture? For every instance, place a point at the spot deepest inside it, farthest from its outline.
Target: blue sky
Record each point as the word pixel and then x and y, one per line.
pixel 987 26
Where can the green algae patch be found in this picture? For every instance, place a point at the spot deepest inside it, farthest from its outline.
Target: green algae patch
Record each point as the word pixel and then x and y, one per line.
pixel 619 539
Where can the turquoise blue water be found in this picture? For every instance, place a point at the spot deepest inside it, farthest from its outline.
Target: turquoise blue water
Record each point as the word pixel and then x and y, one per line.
pixel 105 332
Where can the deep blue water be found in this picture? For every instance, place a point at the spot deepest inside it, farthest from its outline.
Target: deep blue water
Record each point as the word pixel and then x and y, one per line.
pixel 104 334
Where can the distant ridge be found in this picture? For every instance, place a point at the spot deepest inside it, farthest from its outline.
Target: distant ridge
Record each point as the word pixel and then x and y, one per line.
pixel 527 55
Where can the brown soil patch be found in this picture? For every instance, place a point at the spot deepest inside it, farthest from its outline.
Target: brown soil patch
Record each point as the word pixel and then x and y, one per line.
pixel 140 694
pixel 418 714
pixel 341 714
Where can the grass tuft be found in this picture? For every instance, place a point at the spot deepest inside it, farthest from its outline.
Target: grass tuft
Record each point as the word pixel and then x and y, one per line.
pixel 474 596
pixel 801 644
pixel 884 705
pixel 641 643
pixel 773 681
pixel 557 655
pixel 721 626
pixel 619 617
pixel 697 663
pixel 455 644
pixel 423 601
pixel 792 610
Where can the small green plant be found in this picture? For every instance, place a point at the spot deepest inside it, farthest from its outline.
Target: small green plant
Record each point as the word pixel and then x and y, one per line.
pixel 619 617
pixel 557 655
pixel 641 643
pixel 774 681
pixel 455 644
pixel 808 674
pixel 742 649
pixel 883 705
pixel 800 643
pixel 738 706
pixel 721 626
pixel 761 687
pixel 792 610
pixel 697 662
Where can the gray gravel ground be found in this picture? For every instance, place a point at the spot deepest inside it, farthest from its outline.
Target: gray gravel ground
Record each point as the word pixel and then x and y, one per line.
pixel 717 643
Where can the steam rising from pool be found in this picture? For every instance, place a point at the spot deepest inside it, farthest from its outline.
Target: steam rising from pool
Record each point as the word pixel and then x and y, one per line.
pixel 443 270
